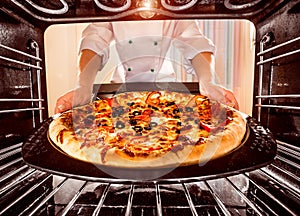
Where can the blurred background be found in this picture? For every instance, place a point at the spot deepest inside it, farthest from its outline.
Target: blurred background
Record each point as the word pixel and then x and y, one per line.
pixel 234 41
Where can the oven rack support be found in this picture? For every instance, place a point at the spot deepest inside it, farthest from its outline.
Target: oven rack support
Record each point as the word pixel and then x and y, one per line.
pixel 265 40
pixel 37 69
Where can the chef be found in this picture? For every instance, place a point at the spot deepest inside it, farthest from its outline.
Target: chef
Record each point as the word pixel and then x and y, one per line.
pixel 142 48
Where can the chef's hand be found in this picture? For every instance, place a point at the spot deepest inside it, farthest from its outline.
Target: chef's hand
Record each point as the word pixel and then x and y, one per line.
pixel 88 65
pixel 204 65
pixel 221 94
pixel 76 97
pixel 229 99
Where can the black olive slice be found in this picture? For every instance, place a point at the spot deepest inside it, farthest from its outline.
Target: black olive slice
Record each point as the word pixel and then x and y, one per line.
pixel 153 124
pixel 120 125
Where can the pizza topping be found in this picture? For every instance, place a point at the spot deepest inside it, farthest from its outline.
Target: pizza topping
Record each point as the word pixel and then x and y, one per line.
pixel 117 111
pixel 189 109
pixel 229 113
pixel 137 129
pixel 120 124
pixel 177 148
pixel 187 127
pixel 91 117
pixel 145 118
pixel 185 140
pixel 206 127
pixel 117 138
pixel 88 122
pixel 130 103
pixel 148 128
pixel 136 113
pixel 170 103
pixel 132 122
pixel 147 112
pixel 67 119
pixel 103 153
pixel 153 107
pixel 153 124
pixel 128 152
pixel 201 140
pixel 151 149
pixel 153 98
pixel 60 135
pixel 109 101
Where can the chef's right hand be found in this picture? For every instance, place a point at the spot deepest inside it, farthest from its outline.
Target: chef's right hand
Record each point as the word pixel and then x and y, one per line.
pixel 76 97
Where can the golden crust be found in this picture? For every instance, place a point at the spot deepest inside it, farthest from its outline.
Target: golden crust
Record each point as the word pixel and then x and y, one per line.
pixel 64 138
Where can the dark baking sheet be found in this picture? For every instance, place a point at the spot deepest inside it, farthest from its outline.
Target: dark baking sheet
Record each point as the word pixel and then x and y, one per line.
pixel 259 149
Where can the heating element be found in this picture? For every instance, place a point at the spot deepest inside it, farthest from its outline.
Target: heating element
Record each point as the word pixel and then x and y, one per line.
pixel 271 190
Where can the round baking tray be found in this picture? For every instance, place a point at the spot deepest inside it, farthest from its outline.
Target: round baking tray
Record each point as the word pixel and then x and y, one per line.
pixel 258 149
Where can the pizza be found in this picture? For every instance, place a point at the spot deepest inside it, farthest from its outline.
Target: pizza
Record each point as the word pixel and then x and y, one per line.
pixel 149 129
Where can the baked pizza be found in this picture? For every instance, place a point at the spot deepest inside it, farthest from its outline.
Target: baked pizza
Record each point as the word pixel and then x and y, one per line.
pixel 149 129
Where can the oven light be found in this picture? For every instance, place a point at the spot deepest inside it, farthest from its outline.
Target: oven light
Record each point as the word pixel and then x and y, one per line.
pixel 146 7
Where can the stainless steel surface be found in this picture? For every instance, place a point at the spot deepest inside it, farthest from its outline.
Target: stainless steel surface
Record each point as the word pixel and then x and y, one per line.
pixel 278 46
pixel 21 110
pixel 19 62
pixel 280 96
pixel 20 52
pixel 34 45
pixel 278 57
pixel 279 106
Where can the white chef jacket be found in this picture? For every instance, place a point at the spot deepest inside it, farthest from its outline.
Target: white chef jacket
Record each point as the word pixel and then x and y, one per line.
pixel 142 46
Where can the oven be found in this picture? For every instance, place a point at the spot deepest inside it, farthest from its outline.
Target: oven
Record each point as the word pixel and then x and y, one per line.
pixel 270 188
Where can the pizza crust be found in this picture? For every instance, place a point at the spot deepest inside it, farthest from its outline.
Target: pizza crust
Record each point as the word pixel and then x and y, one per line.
pixel 68 144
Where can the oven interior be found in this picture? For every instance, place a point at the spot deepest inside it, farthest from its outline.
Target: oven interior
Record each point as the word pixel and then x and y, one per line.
pixel 270 190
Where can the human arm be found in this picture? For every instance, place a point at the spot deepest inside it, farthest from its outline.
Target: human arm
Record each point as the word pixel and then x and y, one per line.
pixel 88 65
pixel 93 53
pixel 198 51
pixel 204 64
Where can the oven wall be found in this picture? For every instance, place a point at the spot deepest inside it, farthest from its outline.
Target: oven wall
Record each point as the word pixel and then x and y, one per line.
pixel 281 76
pixel 15 83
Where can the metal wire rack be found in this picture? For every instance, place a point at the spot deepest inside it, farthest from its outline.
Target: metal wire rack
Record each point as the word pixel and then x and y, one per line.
pixel 257 192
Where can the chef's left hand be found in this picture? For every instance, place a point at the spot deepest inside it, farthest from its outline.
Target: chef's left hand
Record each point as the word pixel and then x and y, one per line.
pixel 220 94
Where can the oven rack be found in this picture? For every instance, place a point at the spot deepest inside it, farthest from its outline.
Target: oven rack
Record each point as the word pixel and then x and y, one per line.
pixel 41 193
pixel 267 39
pixel 34 67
